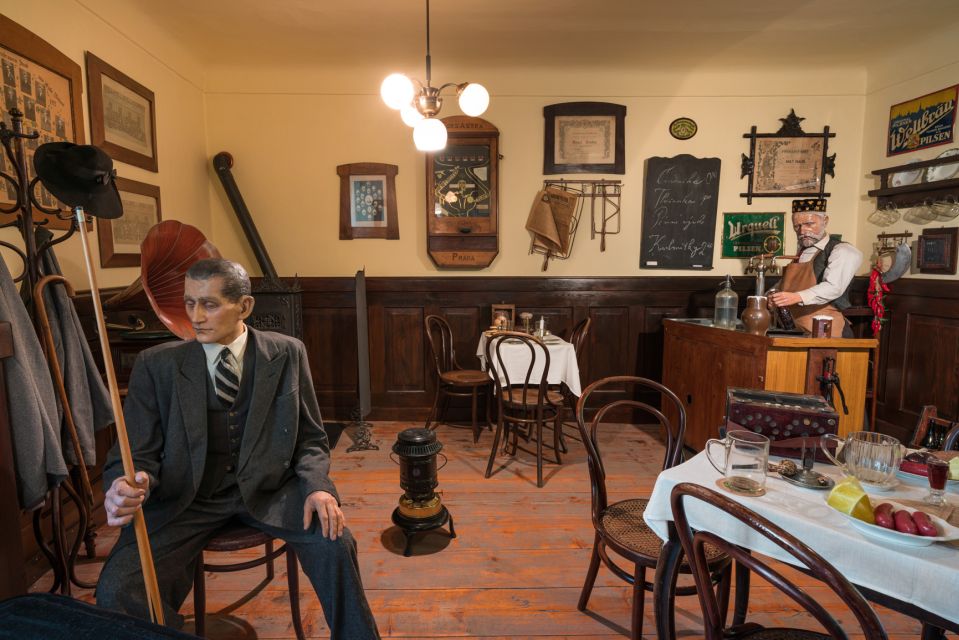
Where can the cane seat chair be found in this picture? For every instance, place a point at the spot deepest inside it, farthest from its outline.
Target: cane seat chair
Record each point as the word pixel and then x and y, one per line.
pixel 236 536
pixel 452 379
pixel 698 544
pixel 524 403
pixel 620 526
pixel 577 338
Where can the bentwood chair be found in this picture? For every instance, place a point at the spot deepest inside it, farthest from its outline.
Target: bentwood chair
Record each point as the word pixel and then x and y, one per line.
pixel 236 536
pixel 452 379
pixel 698 545
pixel 620 526
pixel 524 402
pixel 577 338
pixel 934 432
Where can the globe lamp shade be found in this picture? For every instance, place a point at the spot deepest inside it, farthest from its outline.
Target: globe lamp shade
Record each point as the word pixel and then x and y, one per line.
pixel 397 91
pixel 429 134
pixel 474 98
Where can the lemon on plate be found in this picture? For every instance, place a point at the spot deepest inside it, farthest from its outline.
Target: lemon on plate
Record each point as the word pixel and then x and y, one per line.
pixel 848 497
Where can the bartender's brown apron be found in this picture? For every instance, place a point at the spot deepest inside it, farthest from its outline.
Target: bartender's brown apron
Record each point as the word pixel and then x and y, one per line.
pixel 798 276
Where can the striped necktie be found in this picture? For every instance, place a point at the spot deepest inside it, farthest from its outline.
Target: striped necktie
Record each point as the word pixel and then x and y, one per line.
pixel 226 379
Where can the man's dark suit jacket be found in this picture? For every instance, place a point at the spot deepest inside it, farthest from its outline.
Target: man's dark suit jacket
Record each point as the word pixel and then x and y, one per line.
pixel 284 454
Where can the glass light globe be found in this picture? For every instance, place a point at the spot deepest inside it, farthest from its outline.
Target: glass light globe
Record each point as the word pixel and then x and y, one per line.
pixel 410 115
pixel 474 98
pixel 429 134
pixel 397 90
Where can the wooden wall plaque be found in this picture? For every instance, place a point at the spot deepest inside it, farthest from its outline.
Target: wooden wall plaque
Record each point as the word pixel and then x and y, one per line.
pixel 462 196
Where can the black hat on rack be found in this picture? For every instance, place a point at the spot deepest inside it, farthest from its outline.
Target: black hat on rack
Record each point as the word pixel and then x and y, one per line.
pixel 79 176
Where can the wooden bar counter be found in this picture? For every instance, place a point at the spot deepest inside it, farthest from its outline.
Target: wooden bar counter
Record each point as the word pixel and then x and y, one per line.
pixel 700 361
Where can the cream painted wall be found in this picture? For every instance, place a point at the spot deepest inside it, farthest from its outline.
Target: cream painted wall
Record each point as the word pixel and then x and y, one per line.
pixel 289 130
pixel 903 75
pixel 110 30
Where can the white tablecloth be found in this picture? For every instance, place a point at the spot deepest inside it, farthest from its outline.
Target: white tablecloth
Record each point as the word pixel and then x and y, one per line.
pixel 926 576
pixel 562 362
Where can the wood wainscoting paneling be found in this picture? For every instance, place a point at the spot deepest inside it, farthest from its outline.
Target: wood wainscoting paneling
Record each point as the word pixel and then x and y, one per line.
pixel 919 354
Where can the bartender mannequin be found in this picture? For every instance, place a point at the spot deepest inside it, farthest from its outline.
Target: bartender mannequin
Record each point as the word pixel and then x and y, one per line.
pixel 817 283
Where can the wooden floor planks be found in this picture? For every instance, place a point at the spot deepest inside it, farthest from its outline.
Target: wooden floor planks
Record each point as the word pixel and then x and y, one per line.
pixel 514 571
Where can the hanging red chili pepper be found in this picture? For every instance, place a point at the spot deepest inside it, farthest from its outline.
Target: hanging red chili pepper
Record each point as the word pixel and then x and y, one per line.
pixel 876 295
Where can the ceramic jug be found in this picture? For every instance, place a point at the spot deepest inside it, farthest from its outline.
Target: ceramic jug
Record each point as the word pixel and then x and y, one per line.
pixel 756 317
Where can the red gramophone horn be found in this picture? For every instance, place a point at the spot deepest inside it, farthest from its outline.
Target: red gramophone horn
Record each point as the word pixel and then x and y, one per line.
pixel 166 254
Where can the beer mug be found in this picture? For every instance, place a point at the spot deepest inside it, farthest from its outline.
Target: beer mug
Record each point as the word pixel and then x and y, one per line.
pixel 744 462
pixel 870 457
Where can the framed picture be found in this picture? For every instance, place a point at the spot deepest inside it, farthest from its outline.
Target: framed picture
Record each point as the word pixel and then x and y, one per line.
pixel 46 86
pixel 789 163
pixel 368 201
pixel 584 137
pixel 120 238
pixel 122 115
pixel 502 316
pixel 922 122
pixel 937 251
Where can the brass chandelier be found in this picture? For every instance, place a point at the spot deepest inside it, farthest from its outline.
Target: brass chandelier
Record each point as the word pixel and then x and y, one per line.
pixel 419 104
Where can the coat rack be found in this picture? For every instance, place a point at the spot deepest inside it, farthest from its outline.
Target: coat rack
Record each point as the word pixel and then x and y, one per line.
pixel 62 557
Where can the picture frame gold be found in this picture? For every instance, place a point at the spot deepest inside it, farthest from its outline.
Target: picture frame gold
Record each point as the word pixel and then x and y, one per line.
pixel 119 240
pixel 122 115
pixel 28 60
pixel 368 201
pixel 584 137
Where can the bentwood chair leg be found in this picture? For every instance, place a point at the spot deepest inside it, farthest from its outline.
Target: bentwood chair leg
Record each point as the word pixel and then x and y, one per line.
pixel 476 430
pixel 436 402
pixel 293 583
pixel 558 434
pixel 269 563
pixel 199 598
pixel 594 561
pixel 493 450
pixel 639 600
pixel 722 592
pixel 742 595
pixel 539 453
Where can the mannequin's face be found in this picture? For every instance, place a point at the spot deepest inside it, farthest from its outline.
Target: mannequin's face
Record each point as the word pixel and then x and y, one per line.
pixel 215 318
pixel 810 228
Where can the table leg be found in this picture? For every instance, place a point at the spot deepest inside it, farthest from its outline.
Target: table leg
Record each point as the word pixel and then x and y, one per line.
pixel 930 632
pixel 664 586
pixel 742 594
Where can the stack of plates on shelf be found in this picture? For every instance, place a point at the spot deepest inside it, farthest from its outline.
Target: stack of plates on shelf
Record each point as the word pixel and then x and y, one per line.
pixel 902 178
pixel 943 171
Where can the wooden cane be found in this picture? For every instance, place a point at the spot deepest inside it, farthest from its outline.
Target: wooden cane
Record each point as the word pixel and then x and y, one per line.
pixel 123 441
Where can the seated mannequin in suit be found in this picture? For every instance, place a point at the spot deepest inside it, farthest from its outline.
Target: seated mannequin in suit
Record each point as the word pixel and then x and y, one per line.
pixel 227 426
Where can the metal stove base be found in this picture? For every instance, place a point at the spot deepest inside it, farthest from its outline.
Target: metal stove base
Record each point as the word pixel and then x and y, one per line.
pixel 411 527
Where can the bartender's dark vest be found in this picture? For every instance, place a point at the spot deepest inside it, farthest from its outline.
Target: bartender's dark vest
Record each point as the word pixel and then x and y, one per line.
pixel 225 429
pixel 819 268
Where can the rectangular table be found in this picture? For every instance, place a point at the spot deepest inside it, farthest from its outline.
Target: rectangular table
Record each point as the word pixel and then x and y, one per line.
pixel 921 582
pixel 563 367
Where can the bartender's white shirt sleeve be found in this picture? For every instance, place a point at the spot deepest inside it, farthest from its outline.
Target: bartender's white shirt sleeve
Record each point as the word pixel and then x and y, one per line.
pixel 843 263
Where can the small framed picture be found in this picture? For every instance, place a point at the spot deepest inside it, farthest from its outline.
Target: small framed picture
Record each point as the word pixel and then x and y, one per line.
pixel 368 201
pixel 120 238
pixel 502 316
pixel 584 137
pixel 937 251
pixel 122 115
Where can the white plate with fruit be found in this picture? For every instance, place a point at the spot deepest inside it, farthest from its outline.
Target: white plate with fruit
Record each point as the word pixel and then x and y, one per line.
pixel 887 521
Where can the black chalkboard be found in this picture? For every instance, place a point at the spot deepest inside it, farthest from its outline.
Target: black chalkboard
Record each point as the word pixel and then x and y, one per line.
pixel 679 213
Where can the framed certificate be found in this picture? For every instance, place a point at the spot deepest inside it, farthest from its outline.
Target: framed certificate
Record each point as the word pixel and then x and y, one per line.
pixel 584 137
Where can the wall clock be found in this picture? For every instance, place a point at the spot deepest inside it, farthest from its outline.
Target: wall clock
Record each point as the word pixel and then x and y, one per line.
pixel 462 185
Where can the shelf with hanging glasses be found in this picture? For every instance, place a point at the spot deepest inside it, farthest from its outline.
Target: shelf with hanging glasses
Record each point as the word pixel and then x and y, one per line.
pixel 941 197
